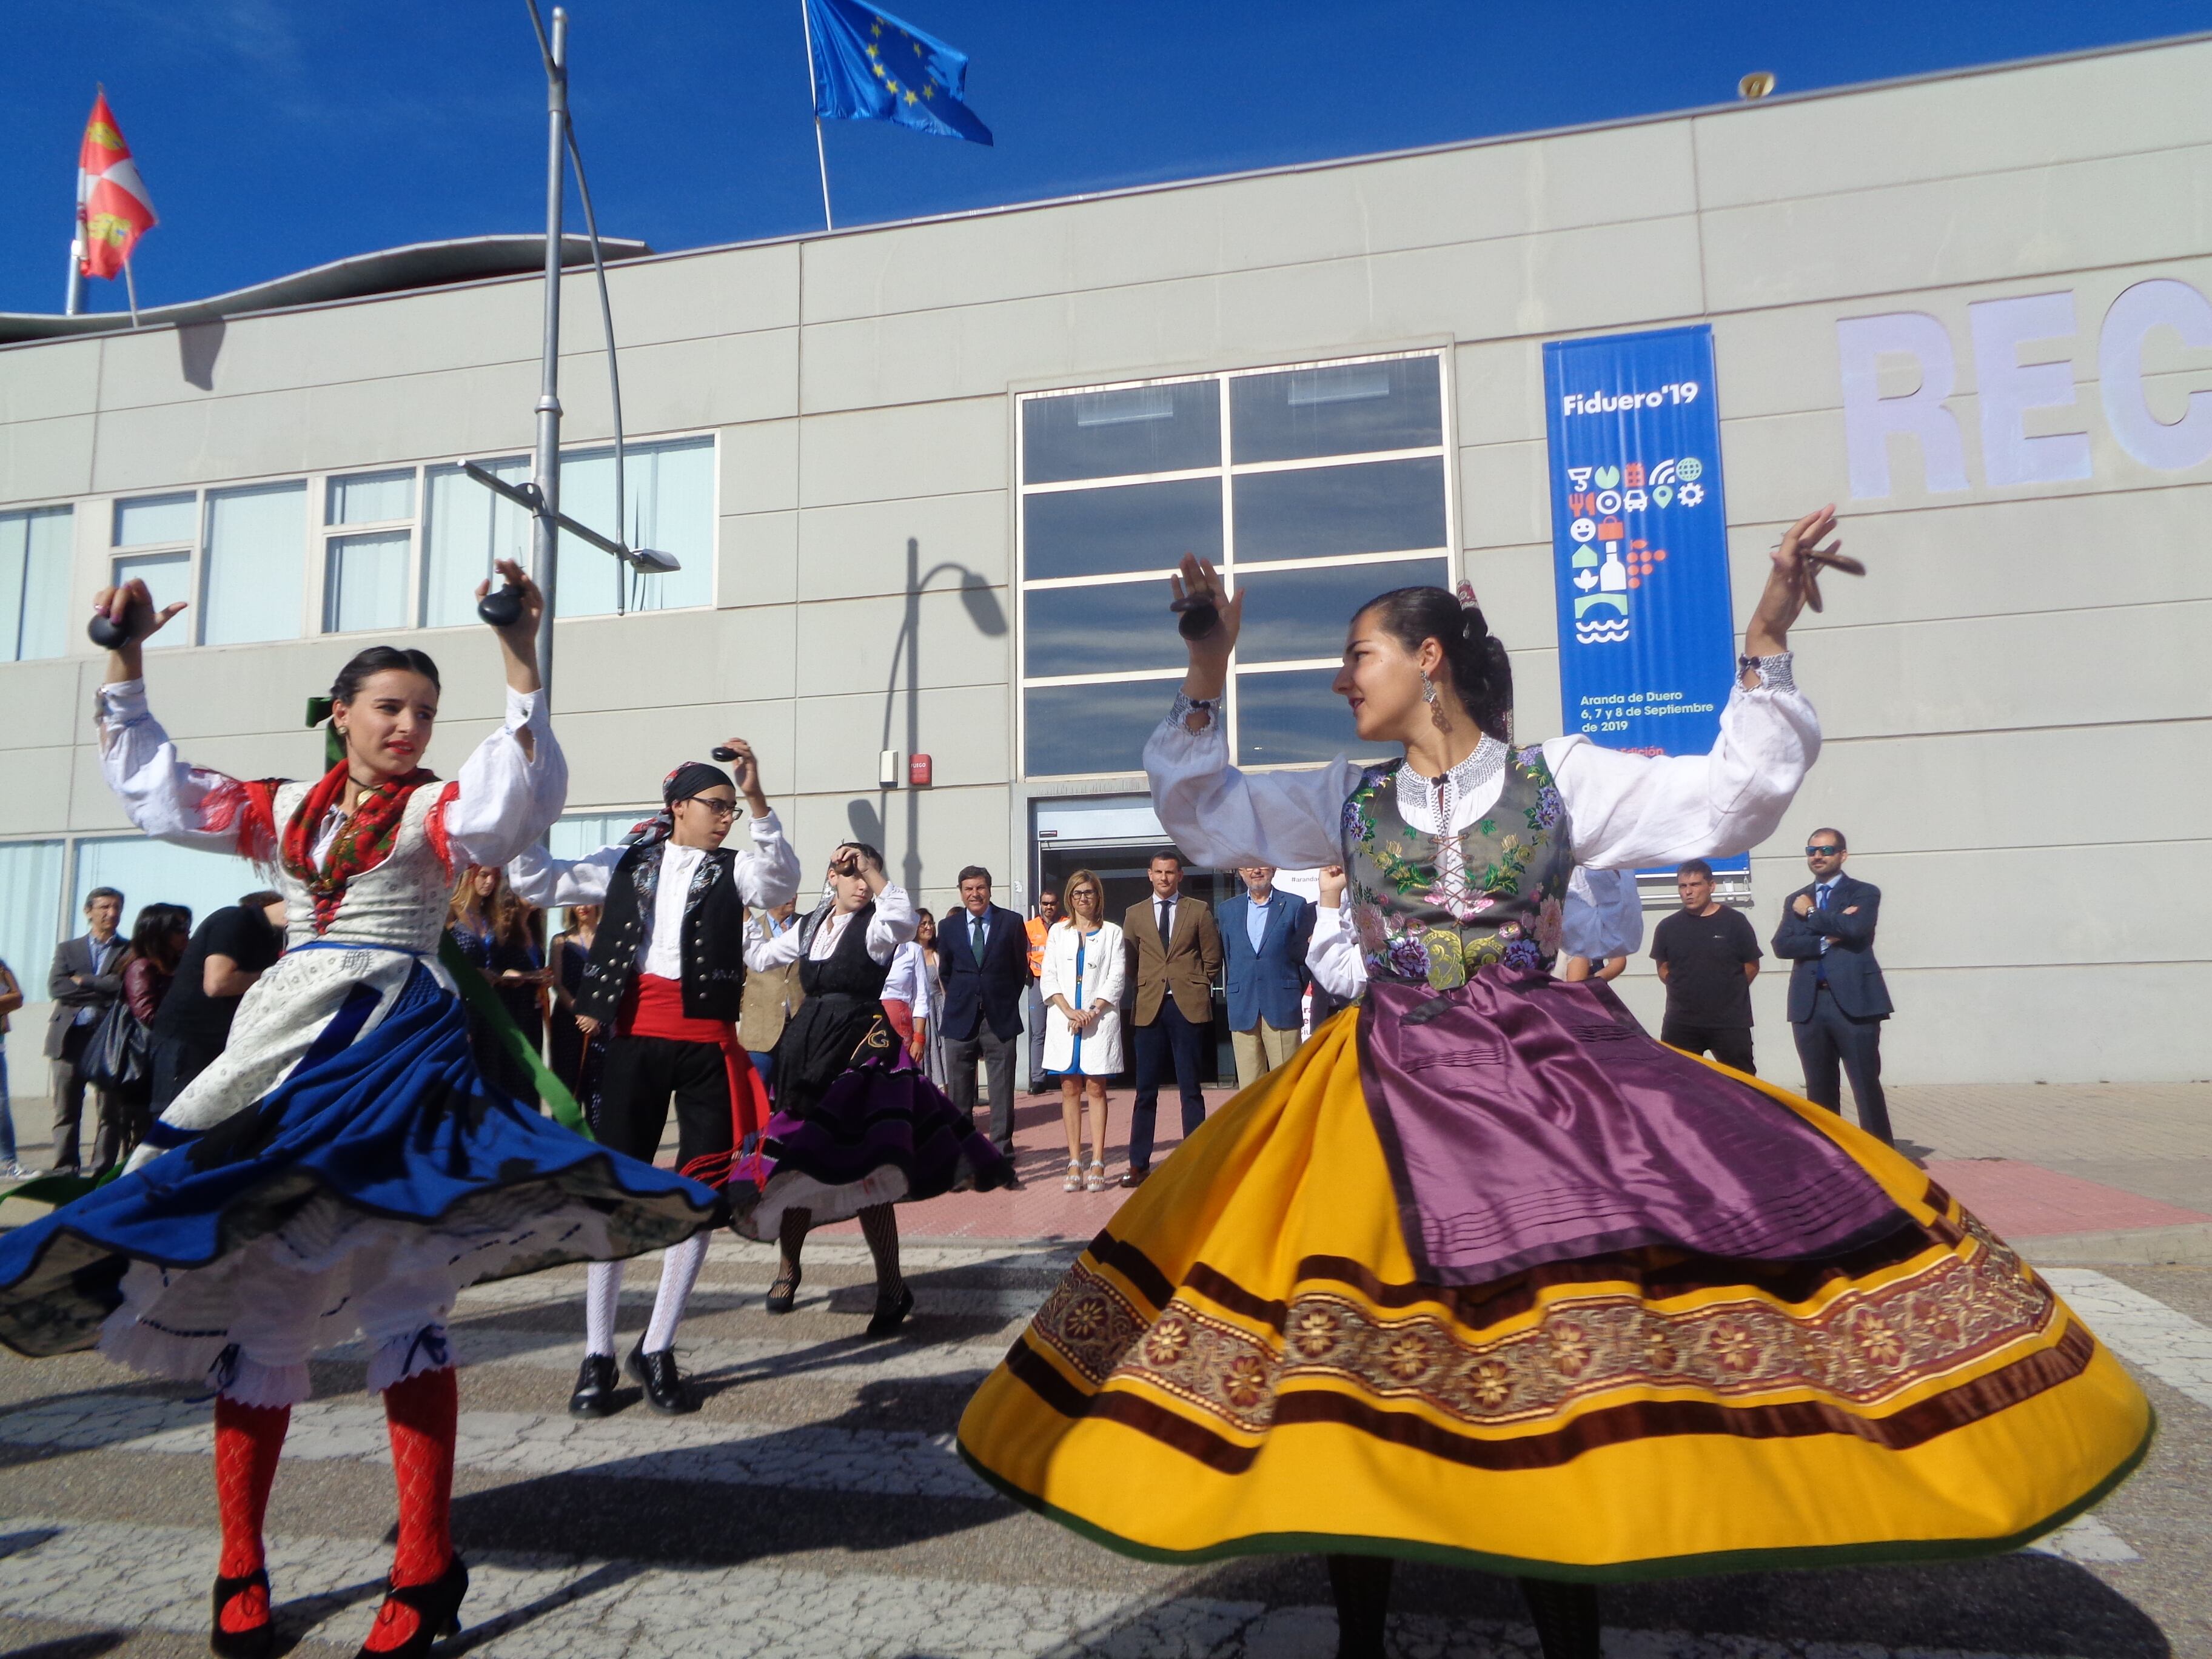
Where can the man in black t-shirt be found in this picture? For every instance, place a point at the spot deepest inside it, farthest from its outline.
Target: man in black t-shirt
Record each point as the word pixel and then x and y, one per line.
pixel 1708 956
pixel 234 948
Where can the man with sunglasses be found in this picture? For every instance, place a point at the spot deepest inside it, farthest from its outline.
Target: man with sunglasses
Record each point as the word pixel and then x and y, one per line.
pixel 666 975
pixel 1838 999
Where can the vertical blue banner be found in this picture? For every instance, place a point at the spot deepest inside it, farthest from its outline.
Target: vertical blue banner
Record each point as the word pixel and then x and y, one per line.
pixel 1639 533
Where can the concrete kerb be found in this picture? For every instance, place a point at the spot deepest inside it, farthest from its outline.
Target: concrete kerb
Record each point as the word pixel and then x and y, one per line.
pixel 2189 1245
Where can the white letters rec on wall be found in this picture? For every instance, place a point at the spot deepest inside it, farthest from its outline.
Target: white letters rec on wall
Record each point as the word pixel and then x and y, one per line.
pixel 2009 391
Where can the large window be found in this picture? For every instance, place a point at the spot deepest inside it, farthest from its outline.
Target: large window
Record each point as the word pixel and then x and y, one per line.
pixel 34 575
pixel 30 911
pixel 369 552
pixel 148 872
pixel 1312 488
pixel 668 498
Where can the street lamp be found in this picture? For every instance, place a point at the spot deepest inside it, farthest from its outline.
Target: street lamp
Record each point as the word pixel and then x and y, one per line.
pixel 541 496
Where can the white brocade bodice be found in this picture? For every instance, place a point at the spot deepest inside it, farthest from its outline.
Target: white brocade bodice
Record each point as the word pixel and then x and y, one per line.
pixel 400 903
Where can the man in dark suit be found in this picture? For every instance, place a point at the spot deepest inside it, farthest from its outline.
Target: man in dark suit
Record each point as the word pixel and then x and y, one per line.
pixel 1264 935
pixel 1838 1000
pixel 86 979
pixel 1175 951
pixel 987 970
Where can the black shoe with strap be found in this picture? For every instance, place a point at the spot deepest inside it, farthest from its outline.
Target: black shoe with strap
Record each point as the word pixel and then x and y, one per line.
pixel 783 1292
pixel 890 1315
pixel 254 1642
pixel 666 1389
pixel 437 1609
pixel 595 1388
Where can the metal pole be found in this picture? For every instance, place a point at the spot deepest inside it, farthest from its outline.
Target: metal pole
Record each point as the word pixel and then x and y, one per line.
pixel 130 289
pixel 814 95
pixel 73 306
pixel 545 542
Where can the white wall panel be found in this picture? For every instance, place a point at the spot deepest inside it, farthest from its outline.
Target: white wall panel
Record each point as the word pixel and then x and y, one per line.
pixel 42 461
pixel 847 551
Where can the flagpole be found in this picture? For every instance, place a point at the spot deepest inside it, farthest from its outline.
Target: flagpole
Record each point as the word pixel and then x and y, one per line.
pixel 130 289
pixel 814 95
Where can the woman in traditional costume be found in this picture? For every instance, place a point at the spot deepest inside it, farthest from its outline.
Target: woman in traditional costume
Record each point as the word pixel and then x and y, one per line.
pixel 342 1170
pixel 858 1126
pixel 1487 1276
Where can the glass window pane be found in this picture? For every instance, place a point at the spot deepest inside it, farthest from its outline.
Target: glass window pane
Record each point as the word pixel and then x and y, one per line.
pixel 1347 408
pixel 1286 718
pixel 169 578
pixel 1291 615
pixel 47 555
pixel 467 527
pixel 1116 628
pixel 1319 511
pixel 148 872
pixel 1074 729
pixel 579 833
pixel 152 519
pixel 256 564
pixel 1107 434
pixel 1098 533
pixel 30 914
pixel 34 561
pixel 372 498
pixel 669 500
pixel 365 582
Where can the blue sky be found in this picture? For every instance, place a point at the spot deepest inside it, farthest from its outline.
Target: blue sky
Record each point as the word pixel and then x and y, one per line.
pixel 278 134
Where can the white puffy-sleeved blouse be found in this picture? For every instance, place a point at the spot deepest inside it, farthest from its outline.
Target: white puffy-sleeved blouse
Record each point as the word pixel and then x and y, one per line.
pixel 1626 811
pixel 891 925
pixel 505 797
pixel 766 872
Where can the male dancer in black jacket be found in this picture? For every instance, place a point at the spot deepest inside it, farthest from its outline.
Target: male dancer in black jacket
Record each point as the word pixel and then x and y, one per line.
pixel 666 975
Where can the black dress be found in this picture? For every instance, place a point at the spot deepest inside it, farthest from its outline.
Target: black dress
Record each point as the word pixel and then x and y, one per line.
pixel 576 1058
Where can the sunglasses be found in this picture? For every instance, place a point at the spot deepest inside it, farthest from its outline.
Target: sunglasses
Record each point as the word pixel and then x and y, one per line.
pixel 720 809
pixel 1822 852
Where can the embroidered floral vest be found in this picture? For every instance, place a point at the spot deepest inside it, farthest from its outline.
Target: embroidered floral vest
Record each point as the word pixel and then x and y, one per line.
pixel 1423 915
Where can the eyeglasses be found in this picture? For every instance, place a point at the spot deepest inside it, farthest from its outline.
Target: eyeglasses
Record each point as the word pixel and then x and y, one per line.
pixel 1822 852
pixel 720 809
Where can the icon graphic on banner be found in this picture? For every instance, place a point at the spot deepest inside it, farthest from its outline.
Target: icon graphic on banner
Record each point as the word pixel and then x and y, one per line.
pixel 1691 494
pixel 1689 469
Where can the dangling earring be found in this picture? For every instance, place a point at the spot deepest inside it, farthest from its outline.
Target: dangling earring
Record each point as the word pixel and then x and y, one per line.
pixel 1437 716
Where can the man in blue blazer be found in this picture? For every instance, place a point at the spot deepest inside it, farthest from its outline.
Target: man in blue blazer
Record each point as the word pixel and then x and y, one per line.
pixel 1838 999
pixel 986 969
pixel 1264 935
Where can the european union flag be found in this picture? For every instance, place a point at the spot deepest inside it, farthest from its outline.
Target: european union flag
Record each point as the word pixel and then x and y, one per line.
pixel 869 66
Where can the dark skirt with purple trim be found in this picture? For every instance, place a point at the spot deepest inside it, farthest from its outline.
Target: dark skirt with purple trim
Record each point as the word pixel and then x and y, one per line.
pixel 877 1131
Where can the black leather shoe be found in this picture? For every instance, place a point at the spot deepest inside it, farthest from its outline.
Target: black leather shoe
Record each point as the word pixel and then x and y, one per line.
pixel 436 1606
pixel 666 1389
pixel 890 1316
pixel 1135 1177
pixel 251 1643
pixel 595 1388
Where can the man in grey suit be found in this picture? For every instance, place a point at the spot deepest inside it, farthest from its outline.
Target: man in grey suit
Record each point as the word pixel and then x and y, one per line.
pixel 85 982
pixel 1838 999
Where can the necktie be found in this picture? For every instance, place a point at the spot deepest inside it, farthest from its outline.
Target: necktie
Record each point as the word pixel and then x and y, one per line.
pixel 975 937
pixel 1820 903
pixel 1165 908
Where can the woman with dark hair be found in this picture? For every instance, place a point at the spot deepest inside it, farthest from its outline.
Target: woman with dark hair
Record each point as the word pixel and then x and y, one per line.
pixel 857 1127
pixel 576 1056
pixel 158 939
pixel 342 1170
pixel 1485 1274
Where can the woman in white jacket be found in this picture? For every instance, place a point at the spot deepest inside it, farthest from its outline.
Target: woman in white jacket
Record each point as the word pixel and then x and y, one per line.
pixel 1081 985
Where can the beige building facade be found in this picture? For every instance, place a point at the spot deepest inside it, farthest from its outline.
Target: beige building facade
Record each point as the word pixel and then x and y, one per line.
pixel 923 479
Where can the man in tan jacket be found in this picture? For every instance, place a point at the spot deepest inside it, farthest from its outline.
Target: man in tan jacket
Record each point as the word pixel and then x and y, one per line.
pixel 771 996
pixel 1175 951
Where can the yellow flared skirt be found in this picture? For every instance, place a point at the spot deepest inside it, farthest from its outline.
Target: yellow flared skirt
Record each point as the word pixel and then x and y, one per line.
pixel 1243 1362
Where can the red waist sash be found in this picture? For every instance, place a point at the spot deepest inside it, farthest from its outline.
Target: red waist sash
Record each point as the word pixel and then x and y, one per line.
pixel 654 1008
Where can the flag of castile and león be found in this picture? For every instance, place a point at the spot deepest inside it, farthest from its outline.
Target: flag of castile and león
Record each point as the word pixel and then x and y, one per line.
pixel 112 209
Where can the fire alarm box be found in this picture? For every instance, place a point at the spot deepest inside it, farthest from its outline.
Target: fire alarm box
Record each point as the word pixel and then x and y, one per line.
pixel 917 770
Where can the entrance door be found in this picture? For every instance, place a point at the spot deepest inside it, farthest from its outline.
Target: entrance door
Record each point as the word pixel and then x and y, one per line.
pixel 1121 868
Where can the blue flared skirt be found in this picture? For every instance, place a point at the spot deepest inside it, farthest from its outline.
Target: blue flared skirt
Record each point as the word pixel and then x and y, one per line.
pixel 382 1159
